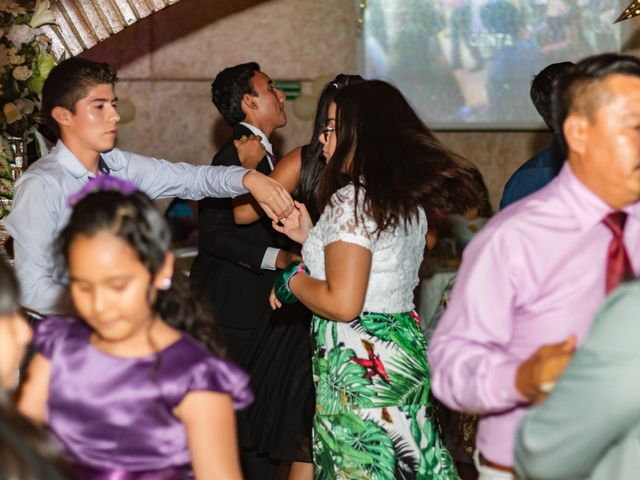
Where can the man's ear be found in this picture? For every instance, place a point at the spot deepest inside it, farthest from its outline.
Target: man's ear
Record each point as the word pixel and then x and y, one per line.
pixel 249 101
pixel 61 115
pixel 575 132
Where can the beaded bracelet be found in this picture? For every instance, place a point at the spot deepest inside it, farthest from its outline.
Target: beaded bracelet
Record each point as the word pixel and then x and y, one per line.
pixel 283 277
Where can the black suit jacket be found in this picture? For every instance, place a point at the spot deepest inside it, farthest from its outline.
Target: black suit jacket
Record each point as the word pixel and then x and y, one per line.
pixel 227 273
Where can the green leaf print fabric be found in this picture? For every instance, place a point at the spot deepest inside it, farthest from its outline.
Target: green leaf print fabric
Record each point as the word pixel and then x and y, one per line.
pixel 374 418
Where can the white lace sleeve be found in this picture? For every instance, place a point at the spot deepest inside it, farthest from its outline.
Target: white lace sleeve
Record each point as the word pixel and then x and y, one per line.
pixel 341 223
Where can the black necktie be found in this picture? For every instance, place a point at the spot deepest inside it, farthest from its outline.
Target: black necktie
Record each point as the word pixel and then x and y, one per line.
pixel 272 159
pixel 103 167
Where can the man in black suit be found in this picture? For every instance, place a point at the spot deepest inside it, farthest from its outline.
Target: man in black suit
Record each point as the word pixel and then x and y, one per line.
pixel 234 270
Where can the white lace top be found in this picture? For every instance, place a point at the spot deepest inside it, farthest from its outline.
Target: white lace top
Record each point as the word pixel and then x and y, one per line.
pixel 396 254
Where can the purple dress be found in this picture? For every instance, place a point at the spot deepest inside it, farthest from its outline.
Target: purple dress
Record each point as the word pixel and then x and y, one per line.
pixel 113 415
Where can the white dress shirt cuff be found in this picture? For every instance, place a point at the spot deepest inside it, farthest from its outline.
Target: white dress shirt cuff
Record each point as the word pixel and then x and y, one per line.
pixel 269 259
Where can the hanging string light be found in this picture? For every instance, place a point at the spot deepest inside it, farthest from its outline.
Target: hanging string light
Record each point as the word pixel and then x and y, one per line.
pixel 632 10
pixel 360 20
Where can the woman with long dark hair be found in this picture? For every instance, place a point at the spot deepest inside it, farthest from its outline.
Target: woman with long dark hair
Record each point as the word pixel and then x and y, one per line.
pixel 25 450
pixel 386 175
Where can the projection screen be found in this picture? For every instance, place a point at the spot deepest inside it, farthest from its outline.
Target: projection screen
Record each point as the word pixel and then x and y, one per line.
pixel 468 64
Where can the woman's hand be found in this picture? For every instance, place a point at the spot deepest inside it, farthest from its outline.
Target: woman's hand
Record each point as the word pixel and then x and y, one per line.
pixel 296 225
pixel 250 151
pixel 273 300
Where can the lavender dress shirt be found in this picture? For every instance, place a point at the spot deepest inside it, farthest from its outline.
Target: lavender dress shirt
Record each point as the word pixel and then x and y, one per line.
pixel 534 275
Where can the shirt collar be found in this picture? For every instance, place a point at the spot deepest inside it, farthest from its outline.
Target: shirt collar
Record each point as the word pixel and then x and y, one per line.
pixel 69 161
pixel 587 207
pixel 264 140
pixel 76 168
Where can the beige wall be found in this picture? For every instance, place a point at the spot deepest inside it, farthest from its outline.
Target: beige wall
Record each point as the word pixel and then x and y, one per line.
pixel 167 61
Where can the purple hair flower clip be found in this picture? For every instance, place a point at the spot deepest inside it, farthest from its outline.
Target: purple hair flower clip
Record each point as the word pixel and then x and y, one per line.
pixel 103 183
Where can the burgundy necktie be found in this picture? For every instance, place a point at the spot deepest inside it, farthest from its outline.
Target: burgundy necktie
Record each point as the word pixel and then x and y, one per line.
pixel 618 264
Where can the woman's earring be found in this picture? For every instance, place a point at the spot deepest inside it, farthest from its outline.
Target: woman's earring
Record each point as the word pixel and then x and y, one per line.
pixel 166 284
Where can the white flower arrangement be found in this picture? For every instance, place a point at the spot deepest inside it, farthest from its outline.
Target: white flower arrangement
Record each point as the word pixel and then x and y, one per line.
pixel 25 62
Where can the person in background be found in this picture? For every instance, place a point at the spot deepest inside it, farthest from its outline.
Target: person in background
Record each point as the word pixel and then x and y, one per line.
pixel 540 169
pixel 26 452
pixel 532 279
pixel 79 100
pixel 506 74
pixel 137 386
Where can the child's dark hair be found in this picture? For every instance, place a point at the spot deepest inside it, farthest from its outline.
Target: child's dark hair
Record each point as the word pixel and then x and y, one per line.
pixel 69 82
pixel 135 219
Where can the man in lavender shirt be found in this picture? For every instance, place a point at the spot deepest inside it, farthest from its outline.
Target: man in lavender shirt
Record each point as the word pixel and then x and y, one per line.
pixel 532 279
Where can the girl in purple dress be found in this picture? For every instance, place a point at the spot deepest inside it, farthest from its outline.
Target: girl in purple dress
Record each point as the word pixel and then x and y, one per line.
pixel 128 390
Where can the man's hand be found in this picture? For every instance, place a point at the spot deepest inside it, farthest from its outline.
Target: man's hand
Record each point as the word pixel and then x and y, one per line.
pixel 285 257
pixel 250 151
pixel 537 375
pixel 296 226
pixel 272 197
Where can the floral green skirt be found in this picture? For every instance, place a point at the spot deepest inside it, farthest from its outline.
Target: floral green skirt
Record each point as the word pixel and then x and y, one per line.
pixel 374 417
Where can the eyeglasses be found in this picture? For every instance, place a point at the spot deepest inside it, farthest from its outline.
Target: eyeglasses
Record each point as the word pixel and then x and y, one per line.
pixel 326 133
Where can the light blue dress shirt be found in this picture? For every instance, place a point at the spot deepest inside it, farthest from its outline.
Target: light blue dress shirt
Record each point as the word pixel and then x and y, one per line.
pixel 589 427
pixel 40 208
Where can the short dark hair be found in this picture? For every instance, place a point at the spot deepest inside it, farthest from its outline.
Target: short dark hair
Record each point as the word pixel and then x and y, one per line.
pixel 228 88
pixel 69 81
pixel 574 90
pixel 541 91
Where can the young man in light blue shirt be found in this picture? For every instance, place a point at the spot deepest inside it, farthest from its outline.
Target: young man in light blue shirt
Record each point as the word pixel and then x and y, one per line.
pixel 80 101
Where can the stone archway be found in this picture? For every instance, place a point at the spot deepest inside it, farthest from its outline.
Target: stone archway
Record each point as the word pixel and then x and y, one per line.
pixel 81 24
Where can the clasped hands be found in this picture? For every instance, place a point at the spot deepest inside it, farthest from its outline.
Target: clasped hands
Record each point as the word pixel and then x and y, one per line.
pixel 537 375
pixel 296 225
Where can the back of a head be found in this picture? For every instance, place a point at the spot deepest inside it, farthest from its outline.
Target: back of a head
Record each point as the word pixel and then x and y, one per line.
pixel 541 91
pixel 376 113
pixel 9 290
pixel 579 88
pixel 228 88
pixel 397 158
